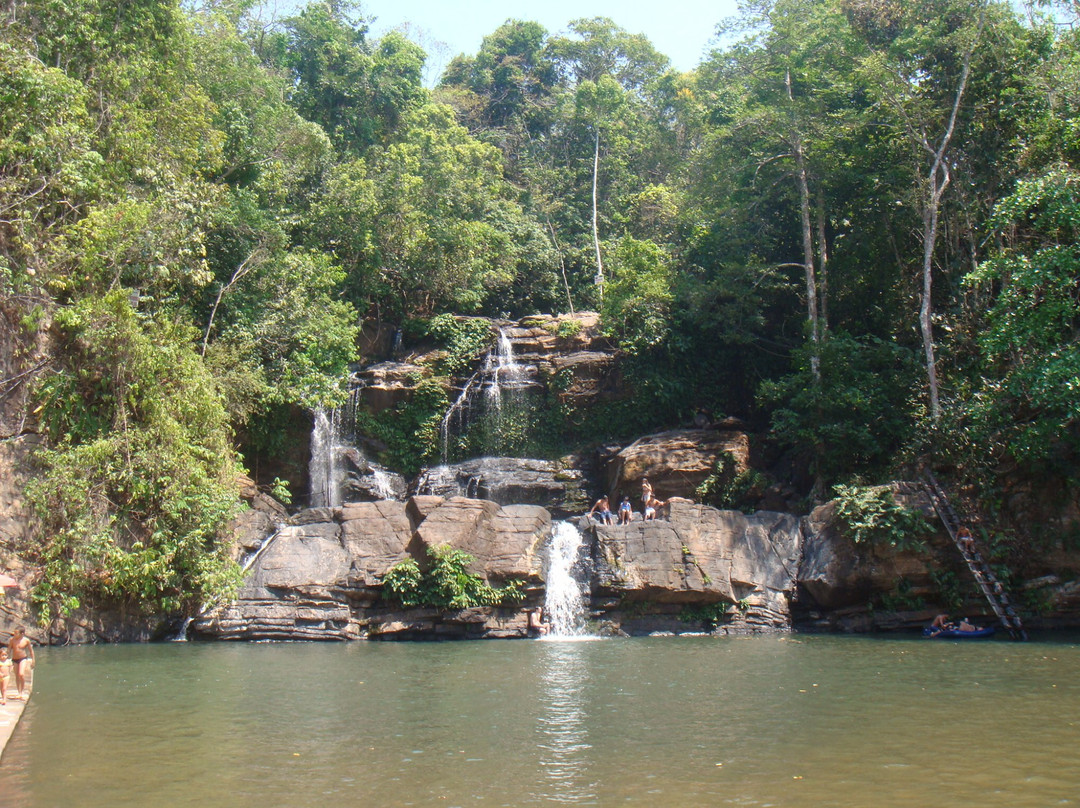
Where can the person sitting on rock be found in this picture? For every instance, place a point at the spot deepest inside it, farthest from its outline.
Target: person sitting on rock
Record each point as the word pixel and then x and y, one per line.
pixel 602 511
pixel 652 507
pixel 626 512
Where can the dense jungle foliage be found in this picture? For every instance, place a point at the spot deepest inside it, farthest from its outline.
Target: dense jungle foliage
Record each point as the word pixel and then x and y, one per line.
pixel 854 222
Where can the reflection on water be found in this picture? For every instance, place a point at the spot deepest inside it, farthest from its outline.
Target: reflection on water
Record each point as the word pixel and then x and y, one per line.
pixel 563 724
pixel 838 722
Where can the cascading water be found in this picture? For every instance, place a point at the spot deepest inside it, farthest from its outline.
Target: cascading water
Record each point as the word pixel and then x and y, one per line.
pixel 332 434
pixel 324 469
pixel 458 412
pixel 565 602
pixel 503 372
pixel 382 487
pixel 483 406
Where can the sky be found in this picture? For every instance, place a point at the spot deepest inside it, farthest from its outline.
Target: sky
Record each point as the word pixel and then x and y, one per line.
pixel 679 29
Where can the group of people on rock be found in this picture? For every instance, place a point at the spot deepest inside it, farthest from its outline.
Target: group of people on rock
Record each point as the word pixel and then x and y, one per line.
pixel 650 507
pixel 16 658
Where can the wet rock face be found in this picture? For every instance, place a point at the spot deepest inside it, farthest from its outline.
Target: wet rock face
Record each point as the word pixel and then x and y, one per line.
pixel 676 462
pixel 573 350
pixel 366 481
pixel 561 486
pixel 261 518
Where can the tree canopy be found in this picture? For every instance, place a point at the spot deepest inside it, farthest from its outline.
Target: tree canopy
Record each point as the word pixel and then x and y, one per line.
pixel 853 225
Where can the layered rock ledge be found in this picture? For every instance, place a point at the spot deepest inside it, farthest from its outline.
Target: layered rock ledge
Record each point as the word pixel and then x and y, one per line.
pixel 321 577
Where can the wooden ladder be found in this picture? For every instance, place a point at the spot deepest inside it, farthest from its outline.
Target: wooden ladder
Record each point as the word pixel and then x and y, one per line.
pixel 991 587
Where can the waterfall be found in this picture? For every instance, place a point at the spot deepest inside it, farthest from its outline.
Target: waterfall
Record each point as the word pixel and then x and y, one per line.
pixel 565 602
pixel 502 371
pixel 181 633
pixel 325 466
pixel 485 399
pixel 382 487
pixel 332 433
pixel 460 409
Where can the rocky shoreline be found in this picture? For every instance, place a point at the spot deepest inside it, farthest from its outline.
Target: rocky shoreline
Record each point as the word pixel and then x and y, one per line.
pixel 696 568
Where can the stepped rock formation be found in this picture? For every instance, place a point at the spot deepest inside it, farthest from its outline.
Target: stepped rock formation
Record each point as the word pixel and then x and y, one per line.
pixel 321 577
pixel 385 385
pixel 573 349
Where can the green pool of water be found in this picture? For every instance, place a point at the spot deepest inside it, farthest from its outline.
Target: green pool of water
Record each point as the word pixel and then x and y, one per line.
pixel 766 721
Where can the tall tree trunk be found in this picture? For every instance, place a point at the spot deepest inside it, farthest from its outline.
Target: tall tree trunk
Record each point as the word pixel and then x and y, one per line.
pixel 599 279
pixel 937 181
pixel 808 244
pixel 823 265
pixel 930 225
pixel 562 263
pixel 245 267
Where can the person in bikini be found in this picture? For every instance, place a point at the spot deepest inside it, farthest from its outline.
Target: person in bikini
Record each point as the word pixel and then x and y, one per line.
pixel 646 491
pixel 22 658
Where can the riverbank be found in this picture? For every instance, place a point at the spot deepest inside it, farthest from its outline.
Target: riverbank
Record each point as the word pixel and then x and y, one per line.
pixel 11 712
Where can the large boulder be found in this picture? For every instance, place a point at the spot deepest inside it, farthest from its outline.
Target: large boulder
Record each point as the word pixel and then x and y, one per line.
pixel 700 555
pixel 676 462
pixel 375 535
pixel 838 573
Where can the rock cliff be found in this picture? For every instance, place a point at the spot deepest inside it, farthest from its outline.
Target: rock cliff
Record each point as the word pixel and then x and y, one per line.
pixel 321 577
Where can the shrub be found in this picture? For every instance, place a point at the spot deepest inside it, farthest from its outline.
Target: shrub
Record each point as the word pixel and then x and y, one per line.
pixel 139 481
pixel 464 339
pixel 447 583
pixel 872 515
pixel 568 329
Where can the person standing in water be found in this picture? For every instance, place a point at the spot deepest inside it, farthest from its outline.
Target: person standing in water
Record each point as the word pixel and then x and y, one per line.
pixel 537 626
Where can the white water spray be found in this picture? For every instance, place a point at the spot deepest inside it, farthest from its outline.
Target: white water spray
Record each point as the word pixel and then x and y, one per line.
pixel 381 485
pixel 565 597
pixel 326 467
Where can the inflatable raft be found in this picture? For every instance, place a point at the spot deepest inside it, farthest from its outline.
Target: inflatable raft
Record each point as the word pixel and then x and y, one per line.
pixel 957 634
